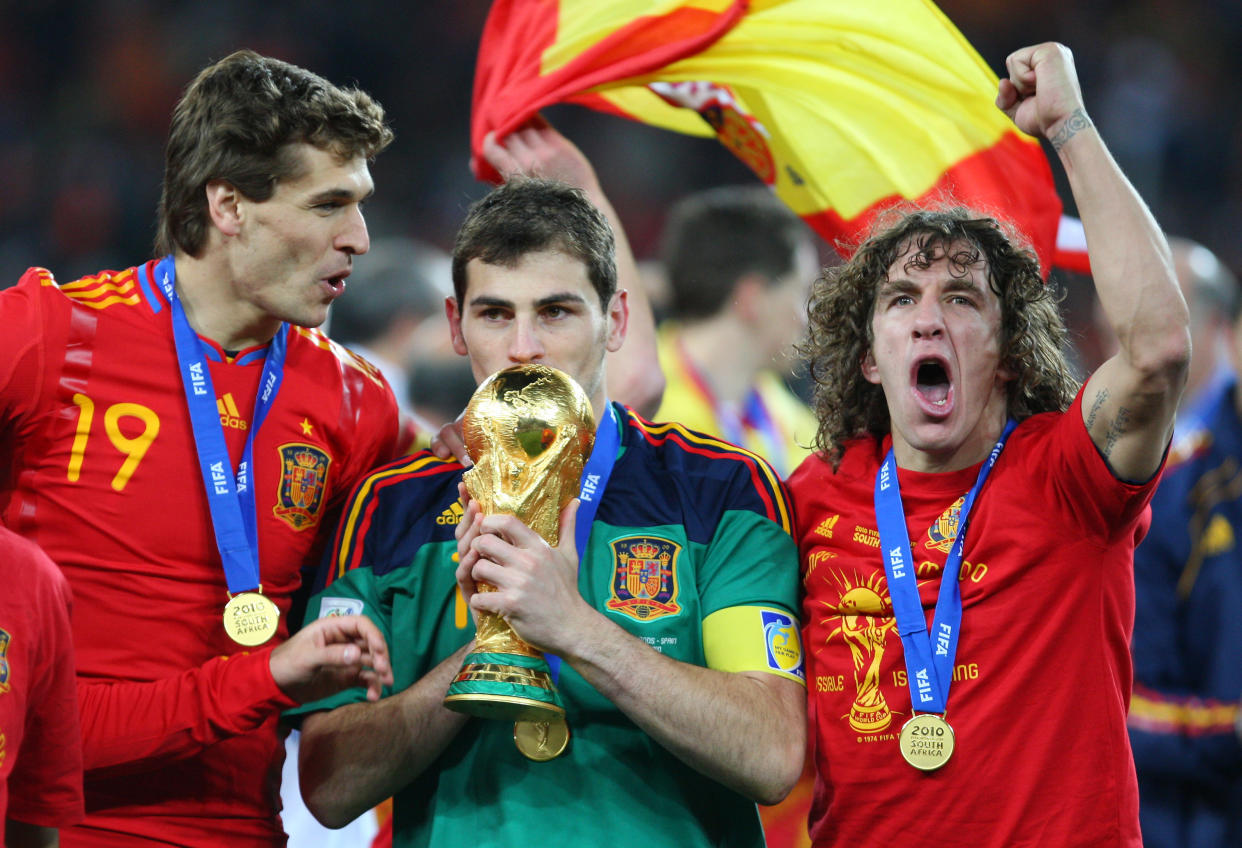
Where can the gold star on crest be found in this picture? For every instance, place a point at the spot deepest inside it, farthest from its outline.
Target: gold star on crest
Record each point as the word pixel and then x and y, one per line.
pixel 307 427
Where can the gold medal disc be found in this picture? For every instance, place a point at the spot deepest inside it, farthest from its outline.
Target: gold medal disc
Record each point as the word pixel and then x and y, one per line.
pixel 250 619
pixel 541 740
pixel 926 741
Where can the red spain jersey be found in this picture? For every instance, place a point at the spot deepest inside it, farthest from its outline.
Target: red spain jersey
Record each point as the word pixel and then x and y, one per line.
pixel 179 723
pixel 1042 673
pixel 40 746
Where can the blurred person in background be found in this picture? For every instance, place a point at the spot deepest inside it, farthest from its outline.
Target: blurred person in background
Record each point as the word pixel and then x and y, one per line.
pixel 1185 724
pixel 739 266
pixel 394 318
pixel 179 439
pixel 440 388
pixel 1211 292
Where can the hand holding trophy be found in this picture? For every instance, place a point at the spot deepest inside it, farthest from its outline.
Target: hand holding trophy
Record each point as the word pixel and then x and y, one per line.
pixel 529 430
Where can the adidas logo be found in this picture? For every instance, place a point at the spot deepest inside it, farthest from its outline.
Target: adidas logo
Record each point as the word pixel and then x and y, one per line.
pixel 825 527
pixel 229 414
pixel 452 515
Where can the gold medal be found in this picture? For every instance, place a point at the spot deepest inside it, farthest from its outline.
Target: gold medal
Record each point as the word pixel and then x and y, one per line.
pixel 250 619
pixel 926 741
pixel 541 740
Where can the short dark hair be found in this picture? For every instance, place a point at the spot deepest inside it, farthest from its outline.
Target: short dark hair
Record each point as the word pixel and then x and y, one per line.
pixel 714 237
pixel 236 122
pixel 529 215
pixel 839 331
pixel 391 281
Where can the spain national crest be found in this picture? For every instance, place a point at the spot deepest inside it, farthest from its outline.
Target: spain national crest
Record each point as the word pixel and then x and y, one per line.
pixel 943 532
pixel 303 475
pixel 644 582
pixel 4 662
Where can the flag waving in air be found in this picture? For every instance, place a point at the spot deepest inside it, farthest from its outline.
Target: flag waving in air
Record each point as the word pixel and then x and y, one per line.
pixel 843 108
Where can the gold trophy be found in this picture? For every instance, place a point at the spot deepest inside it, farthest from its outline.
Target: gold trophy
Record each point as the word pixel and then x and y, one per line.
pixel 529 430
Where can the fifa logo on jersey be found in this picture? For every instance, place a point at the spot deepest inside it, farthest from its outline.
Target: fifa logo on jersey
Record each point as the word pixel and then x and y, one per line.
pixel 783 642
pixel 230 416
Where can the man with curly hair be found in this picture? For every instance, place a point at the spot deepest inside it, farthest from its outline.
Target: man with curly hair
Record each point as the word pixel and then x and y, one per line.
pixel 943 397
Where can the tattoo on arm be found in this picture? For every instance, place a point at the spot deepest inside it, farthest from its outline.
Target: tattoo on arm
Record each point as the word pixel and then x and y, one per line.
pixel 1116 429
pixel 1100 397
pixel 1074 124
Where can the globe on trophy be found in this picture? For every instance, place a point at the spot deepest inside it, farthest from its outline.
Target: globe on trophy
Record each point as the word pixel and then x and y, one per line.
pixel 529 430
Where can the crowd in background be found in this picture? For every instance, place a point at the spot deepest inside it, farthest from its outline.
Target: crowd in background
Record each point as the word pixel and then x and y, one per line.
pixel 86 91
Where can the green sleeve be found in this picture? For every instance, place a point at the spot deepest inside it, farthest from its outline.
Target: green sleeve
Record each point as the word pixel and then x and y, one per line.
pixel 357 592
pixel 750 561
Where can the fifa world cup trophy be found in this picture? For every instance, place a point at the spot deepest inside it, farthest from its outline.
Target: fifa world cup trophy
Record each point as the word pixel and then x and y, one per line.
pixel 529 430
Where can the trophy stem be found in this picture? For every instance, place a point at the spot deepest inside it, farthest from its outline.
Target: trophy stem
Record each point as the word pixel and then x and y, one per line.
pixel 514 687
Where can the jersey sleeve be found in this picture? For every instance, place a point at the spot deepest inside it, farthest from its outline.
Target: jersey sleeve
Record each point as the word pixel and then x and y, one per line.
pixel 356 593
pixel 126 726
pixel 755 638
pixel 345 583
pixel 749 577
pixel 1076 474
pixel 751 558
pixel 24 345
pixel 45 786
pixel 376 425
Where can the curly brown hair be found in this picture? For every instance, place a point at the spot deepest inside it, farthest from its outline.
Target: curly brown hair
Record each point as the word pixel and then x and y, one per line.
pixel 842 303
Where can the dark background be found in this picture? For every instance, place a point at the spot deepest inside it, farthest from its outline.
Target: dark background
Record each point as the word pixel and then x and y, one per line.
pixel 86 90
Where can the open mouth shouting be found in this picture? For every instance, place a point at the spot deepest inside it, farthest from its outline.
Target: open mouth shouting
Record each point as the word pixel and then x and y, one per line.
pixel 933 386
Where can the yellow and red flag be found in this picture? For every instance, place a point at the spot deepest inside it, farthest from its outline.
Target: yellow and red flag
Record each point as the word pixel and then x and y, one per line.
pixel 843 108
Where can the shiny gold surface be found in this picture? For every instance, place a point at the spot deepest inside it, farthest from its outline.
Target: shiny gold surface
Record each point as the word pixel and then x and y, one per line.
pixel 497 673
pixel 541 740
pixel 250 619
pixel 529 429
pixel 926 741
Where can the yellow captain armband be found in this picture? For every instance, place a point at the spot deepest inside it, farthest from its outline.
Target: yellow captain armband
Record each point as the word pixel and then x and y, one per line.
pixel 754 639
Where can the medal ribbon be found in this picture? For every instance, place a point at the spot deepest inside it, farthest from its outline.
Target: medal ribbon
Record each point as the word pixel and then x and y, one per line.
pixel 928 673
pixel 230 496
pixel 755 415
pixel 595 474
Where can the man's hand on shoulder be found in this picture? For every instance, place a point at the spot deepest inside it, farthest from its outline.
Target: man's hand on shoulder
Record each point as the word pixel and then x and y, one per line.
pixel 448 443
pixel 330 655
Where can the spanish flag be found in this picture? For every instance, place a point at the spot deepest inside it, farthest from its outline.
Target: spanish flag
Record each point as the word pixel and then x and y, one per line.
pixel 843 108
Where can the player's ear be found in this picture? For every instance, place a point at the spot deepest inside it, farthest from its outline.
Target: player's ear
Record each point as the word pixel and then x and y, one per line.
pixel 748 297
pixel 618 317
pixel 453 312
pixel 224 206
pixel 870 371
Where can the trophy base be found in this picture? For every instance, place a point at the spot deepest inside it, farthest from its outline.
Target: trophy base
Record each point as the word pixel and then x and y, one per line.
pixel 513 687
